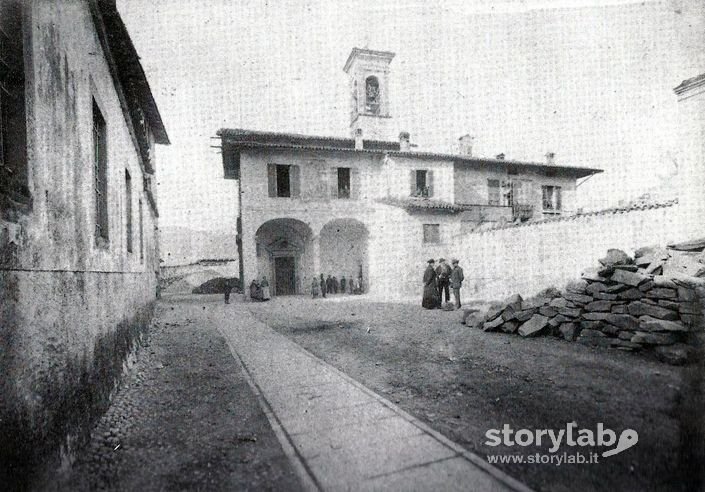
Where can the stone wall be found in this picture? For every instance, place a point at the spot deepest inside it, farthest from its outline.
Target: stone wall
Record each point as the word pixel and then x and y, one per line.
pixel 626 303
pixel 526 258
pixel 72 307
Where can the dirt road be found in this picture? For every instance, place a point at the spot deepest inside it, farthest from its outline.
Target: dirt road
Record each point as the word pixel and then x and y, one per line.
pixel 463 382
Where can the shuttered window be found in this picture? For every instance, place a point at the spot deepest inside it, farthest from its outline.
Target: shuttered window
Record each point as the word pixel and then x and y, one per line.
pixel 141 217
pixel 493 195
pixel 283 181
pixel 13 125
pixel 431 233
pixel 421 183
pixel 100 165
pixel 128 209
pixel 552 200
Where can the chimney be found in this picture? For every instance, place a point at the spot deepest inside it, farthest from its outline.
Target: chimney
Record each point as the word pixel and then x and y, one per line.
pixel 465 144
pixel 358 139
pixel 500 157
pixel 550 158
pixel 404 141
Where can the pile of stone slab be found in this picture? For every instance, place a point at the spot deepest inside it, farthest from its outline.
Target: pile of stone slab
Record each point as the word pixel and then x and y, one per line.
pixel 625 303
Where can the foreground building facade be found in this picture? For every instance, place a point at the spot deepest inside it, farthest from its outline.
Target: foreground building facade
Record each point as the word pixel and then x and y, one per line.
pixel 369 206
pixel 79 249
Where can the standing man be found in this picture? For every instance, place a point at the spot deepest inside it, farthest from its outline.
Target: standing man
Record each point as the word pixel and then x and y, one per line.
pixel 323 286
pixel 443 272
pixel 329 284
pixel 227 289
pixel 456 281
pixel 342 284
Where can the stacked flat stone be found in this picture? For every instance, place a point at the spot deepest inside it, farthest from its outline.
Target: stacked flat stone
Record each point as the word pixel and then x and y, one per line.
pixel 625 304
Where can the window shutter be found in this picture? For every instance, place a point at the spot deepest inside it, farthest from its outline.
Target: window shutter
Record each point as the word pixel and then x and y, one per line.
pixel 295 181
pixel 412 182
pixel 333 182
pixel 355 184
pixel 322 191
pixel 272 179
pixel 559 205
pixel 429 183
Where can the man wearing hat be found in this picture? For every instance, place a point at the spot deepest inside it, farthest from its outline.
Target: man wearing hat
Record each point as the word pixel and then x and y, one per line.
pixel 430 287
pixel 443 272
pixel 456 281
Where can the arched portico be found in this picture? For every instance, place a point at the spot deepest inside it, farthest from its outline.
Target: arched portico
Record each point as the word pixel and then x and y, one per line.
pixel 284 252
pixel 343 247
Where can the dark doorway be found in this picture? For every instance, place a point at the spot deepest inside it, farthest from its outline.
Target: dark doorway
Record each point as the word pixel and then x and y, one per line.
pixel 284 274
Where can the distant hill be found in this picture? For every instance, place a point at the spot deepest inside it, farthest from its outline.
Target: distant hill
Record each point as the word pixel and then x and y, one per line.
pixel 185 246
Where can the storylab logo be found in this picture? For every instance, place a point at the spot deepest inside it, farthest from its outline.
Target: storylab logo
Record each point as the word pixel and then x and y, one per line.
pixel 570 436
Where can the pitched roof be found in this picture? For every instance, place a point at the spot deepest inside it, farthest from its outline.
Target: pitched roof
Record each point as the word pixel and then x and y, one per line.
pixel 241 138
pixel 129 69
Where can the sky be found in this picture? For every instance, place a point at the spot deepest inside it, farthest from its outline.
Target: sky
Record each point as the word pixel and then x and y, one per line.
pixel 591 80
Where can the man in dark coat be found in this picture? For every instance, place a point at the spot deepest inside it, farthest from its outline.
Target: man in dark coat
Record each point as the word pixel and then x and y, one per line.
pixel 456 281
pixel 443 272
pixel 430 287
pixel 342 284
pixel 227 289
pixel 323 286
pixel 329 285
pixel 335 284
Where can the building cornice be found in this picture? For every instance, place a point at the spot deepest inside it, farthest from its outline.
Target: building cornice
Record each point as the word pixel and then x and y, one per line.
pixel 384 55
pixel 688 85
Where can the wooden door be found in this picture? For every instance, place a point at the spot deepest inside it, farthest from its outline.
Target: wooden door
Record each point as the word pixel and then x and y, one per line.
pixel 285 275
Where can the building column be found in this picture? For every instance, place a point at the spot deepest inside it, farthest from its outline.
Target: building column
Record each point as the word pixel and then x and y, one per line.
pixel 249 261
pixel 316 243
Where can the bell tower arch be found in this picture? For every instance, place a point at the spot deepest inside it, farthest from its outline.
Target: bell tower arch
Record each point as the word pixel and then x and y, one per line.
pixel 368 71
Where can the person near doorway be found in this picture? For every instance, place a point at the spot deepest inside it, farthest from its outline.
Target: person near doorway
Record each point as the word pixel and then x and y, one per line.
pixel 227 289
pixel 255 291
pixel 351 285
pixel 342 284
pixel 443 273
pixel 430 287
pixel 329 285
pixel 266 295
pixel 323 286
pixel 456 281
pixel 314 288
pixel 336 285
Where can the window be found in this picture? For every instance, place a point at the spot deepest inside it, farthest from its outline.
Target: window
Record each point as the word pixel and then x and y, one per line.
pixel 128 209
pixel 283 180
pixel 141 232
pixel 231 165
pixel 551 199
pixel 421 183
pixel 100 164
pixel 493 195
pixel 343 182
pixel 372 95
pixel 431 233
pixel 13 126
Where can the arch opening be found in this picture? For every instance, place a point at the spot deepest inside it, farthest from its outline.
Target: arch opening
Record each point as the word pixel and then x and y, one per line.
pixel 344 251
pixel 284 255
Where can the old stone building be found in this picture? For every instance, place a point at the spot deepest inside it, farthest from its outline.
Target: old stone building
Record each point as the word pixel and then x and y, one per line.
pixel 78 231
pixel 370 206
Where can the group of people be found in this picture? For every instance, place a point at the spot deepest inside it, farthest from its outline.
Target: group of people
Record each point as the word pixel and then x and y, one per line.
pixel 259 291
pixel 438 280
pixel 331 285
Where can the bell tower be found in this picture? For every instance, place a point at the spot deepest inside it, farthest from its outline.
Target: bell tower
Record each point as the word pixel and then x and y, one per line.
pixel 368 71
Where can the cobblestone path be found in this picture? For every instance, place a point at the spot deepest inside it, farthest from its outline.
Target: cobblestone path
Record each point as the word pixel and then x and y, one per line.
pixel 184 419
